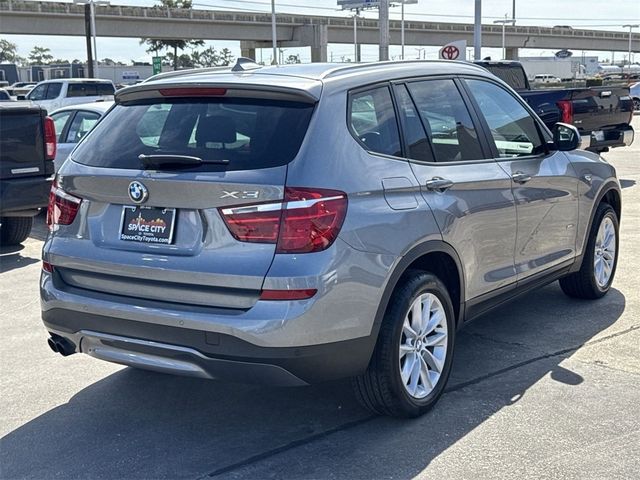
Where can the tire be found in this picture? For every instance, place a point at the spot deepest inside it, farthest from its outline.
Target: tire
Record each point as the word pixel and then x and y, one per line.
pixel 14 230
pixel 585 282
pixel 381 389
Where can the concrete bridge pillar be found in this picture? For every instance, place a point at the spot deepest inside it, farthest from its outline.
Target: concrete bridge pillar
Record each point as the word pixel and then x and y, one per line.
pixel 511 53
pixel 319 42
pixel 248 49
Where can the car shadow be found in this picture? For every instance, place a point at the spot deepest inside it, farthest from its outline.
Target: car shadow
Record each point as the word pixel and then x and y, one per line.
pixel 11 258
pixel 625 183
pixel 138 424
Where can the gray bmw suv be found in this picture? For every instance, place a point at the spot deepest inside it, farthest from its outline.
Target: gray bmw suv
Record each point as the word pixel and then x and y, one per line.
pixel 291 225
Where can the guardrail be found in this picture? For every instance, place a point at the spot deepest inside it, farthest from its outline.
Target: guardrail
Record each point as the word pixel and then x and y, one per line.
pixel 60 8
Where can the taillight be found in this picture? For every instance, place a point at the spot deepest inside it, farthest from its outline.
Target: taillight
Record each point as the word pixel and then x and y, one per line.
pixel 566 111
pixel 49 138
pixel 308 220
pixel 47 267
pixel 193 92
pixel 63 207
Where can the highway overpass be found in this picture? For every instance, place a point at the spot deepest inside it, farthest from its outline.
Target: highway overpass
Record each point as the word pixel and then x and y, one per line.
pixel 254 29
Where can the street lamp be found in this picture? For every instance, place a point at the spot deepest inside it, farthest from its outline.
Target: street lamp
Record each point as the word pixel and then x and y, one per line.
pixel 402 4
pixel 504 24
pixel 630 27
pixel 92 7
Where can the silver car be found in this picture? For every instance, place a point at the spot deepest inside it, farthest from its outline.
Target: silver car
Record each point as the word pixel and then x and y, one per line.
pixel 290 225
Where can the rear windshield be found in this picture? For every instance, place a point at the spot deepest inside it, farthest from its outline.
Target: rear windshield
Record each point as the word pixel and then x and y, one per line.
pixel 249 133
pixel 89 89
pixel 512 75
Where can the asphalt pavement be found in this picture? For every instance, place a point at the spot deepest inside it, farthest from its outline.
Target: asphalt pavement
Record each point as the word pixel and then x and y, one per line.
pixel 545 387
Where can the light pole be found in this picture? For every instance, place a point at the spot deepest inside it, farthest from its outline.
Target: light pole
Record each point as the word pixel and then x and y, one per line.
pixel 402 4
pixel 274 39
pixel 504 25
pixel 92 7
pixel 630 27
pixel 477 30
pixel 356 57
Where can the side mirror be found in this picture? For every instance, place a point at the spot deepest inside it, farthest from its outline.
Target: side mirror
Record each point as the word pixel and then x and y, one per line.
pixel 566 137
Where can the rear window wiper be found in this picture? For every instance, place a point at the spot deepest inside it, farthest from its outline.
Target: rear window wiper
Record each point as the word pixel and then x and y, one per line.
pixel 176 161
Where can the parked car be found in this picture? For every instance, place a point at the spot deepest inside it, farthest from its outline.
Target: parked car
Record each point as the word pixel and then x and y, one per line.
pixel 27 149
pixel 74 122
pixel 54 94
pixel 302 223
pixel 20 89
pixel 4 95
pixel 546 78
pixel 634 91
pixel 601 114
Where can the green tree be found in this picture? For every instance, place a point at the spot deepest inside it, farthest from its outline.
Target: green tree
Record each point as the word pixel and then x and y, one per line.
pixel 8 51
pixel 40 56
pixel 156 45
pixel 226 57
pixel 293 59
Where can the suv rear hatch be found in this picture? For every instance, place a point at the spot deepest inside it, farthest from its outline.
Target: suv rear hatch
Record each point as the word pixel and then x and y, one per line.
pixel 155 186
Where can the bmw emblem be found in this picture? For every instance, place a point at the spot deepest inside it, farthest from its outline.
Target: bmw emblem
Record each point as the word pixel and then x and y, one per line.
pixel 138 193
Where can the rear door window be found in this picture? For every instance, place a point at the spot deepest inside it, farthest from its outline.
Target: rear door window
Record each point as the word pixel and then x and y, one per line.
pixel 53 90
pixel 81 124
pixel 447 120
pixel 373 121
pixel 59 121
pixel 249 133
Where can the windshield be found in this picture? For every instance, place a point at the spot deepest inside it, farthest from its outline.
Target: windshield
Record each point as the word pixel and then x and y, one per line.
pixel 249 133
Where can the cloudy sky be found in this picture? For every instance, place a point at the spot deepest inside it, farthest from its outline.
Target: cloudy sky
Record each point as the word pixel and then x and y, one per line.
pixel 596 14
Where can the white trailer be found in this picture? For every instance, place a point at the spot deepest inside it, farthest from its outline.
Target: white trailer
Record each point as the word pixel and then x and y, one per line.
pixel 564 69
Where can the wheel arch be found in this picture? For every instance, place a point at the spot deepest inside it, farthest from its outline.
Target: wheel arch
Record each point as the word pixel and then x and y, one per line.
pixel 437 257
pixel 609 193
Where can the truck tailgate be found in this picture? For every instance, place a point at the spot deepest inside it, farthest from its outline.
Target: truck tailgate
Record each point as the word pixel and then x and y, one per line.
pixel 22 152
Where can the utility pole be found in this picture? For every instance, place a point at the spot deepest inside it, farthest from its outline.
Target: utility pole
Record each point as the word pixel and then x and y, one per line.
pixel 383 21
pixel 477 31
pixel 274 39
pixel 87 32
pixel 513 12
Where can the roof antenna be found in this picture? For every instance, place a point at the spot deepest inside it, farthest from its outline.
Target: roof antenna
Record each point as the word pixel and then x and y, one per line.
pixel 244 64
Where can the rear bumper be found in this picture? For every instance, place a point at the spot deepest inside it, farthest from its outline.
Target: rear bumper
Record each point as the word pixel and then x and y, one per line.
pixel 611 138
pixel 24 196
pixel 205 354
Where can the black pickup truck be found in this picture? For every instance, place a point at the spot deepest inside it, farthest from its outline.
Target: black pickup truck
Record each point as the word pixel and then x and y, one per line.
pixel 601 114
pixel 27 150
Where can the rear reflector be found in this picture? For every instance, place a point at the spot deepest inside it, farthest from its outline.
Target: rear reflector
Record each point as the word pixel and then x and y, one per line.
pixel 566 111
pixel 50 138
pixel 288 294
pixel 308 220
pixel 63 207
pixel 47 267
pixel 193 92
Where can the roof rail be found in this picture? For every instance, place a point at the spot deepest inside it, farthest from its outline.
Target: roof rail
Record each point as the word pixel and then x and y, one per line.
pixel 244 64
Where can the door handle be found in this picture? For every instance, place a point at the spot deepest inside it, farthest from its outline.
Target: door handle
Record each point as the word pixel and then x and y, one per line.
pixel 521 177
pixel 438 184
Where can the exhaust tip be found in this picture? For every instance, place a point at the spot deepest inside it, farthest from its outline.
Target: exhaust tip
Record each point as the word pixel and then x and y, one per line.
pixel 61 345
pixel 52 344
